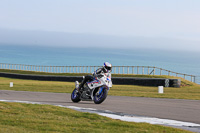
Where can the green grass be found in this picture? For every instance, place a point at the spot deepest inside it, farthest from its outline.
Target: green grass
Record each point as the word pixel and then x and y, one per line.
pixel 190 91
pixel 25 118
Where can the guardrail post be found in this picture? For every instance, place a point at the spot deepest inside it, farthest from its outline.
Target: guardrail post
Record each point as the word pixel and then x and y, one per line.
pixel 128 70
pixel 132 69
pixel 137 69
pixel 119 70
pixel 154 71
pixel 160 71
pixel 142 70
pixel 123 69
pixel 169 73
pixel 69 69
pixel 184 76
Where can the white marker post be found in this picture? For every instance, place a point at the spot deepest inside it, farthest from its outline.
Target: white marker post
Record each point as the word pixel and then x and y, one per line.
pixel 11 84
pixel 160 89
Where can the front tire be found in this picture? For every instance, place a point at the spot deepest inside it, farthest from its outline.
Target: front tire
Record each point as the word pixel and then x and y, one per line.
pixel 100 95
pixel 75 96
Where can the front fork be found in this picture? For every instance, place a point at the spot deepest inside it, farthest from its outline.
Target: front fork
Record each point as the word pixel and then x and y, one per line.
pixel 100 90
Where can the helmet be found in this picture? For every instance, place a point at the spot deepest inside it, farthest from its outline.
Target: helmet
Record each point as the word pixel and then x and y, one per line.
pixel 107 67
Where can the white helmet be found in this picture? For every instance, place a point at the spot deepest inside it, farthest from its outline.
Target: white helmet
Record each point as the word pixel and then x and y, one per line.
pixel 107 67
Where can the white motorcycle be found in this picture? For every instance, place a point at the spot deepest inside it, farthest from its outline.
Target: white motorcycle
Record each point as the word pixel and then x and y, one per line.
pixel 95 90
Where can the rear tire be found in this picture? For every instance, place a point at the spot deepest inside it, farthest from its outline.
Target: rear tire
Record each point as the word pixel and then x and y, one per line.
pixel 99 98
pixel 75 96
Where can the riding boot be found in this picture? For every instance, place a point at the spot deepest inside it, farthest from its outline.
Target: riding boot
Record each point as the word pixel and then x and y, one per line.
pixel 81 85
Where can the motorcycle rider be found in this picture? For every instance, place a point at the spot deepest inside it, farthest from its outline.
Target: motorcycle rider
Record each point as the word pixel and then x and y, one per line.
pixel 106 69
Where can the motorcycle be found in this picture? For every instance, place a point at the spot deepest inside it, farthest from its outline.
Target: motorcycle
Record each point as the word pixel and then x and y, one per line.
pixel 95 90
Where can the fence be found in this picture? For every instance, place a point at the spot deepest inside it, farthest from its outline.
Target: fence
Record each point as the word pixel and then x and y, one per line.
pixel 138 70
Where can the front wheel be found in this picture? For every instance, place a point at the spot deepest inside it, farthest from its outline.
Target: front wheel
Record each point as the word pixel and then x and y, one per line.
pixel 100 95
pixel 75 96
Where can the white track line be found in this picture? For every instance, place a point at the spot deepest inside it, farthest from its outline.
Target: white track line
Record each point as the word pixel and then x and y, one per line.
pixel 112 115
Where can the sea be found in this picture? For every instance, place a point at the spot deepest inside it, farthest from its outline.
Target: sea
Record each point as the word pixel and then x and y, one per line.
pixel 178 61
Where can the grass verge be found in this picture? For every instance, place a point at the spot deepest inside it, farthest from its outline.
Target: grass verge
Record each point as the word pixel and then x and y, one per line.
pixel 23 118
pixel 191 91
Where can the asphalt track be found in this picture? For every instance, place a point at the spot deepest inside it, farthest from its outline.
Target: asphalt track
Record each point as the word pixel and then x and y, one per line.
pixel 176 109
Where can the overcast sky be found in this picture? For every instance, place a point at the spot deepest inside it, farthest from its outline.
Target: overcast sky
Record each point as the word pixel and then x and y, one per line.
pixel 136 23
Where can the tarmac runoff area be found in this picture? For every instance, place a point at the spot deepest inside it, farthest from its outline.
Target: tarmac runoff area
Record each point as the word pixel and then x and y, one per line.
pixel 191 126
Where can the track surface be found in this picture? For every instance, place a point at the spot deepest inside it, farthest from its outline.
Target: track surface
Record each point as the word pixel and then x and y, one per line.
pixel 176 109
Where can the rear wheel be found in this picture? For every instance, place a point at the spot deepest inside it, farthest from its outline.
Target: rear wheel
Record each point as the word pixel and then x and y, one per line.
pixel 75 96
pixel 100 95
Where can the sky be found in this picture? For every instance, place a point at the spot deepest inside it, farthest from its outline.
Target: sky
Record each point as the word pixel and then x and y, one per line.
pixel 114 23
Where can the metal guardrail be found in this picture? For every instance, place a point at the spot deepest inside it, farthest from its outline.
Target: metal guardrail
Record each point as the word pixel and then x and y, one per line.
pixel 138 70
